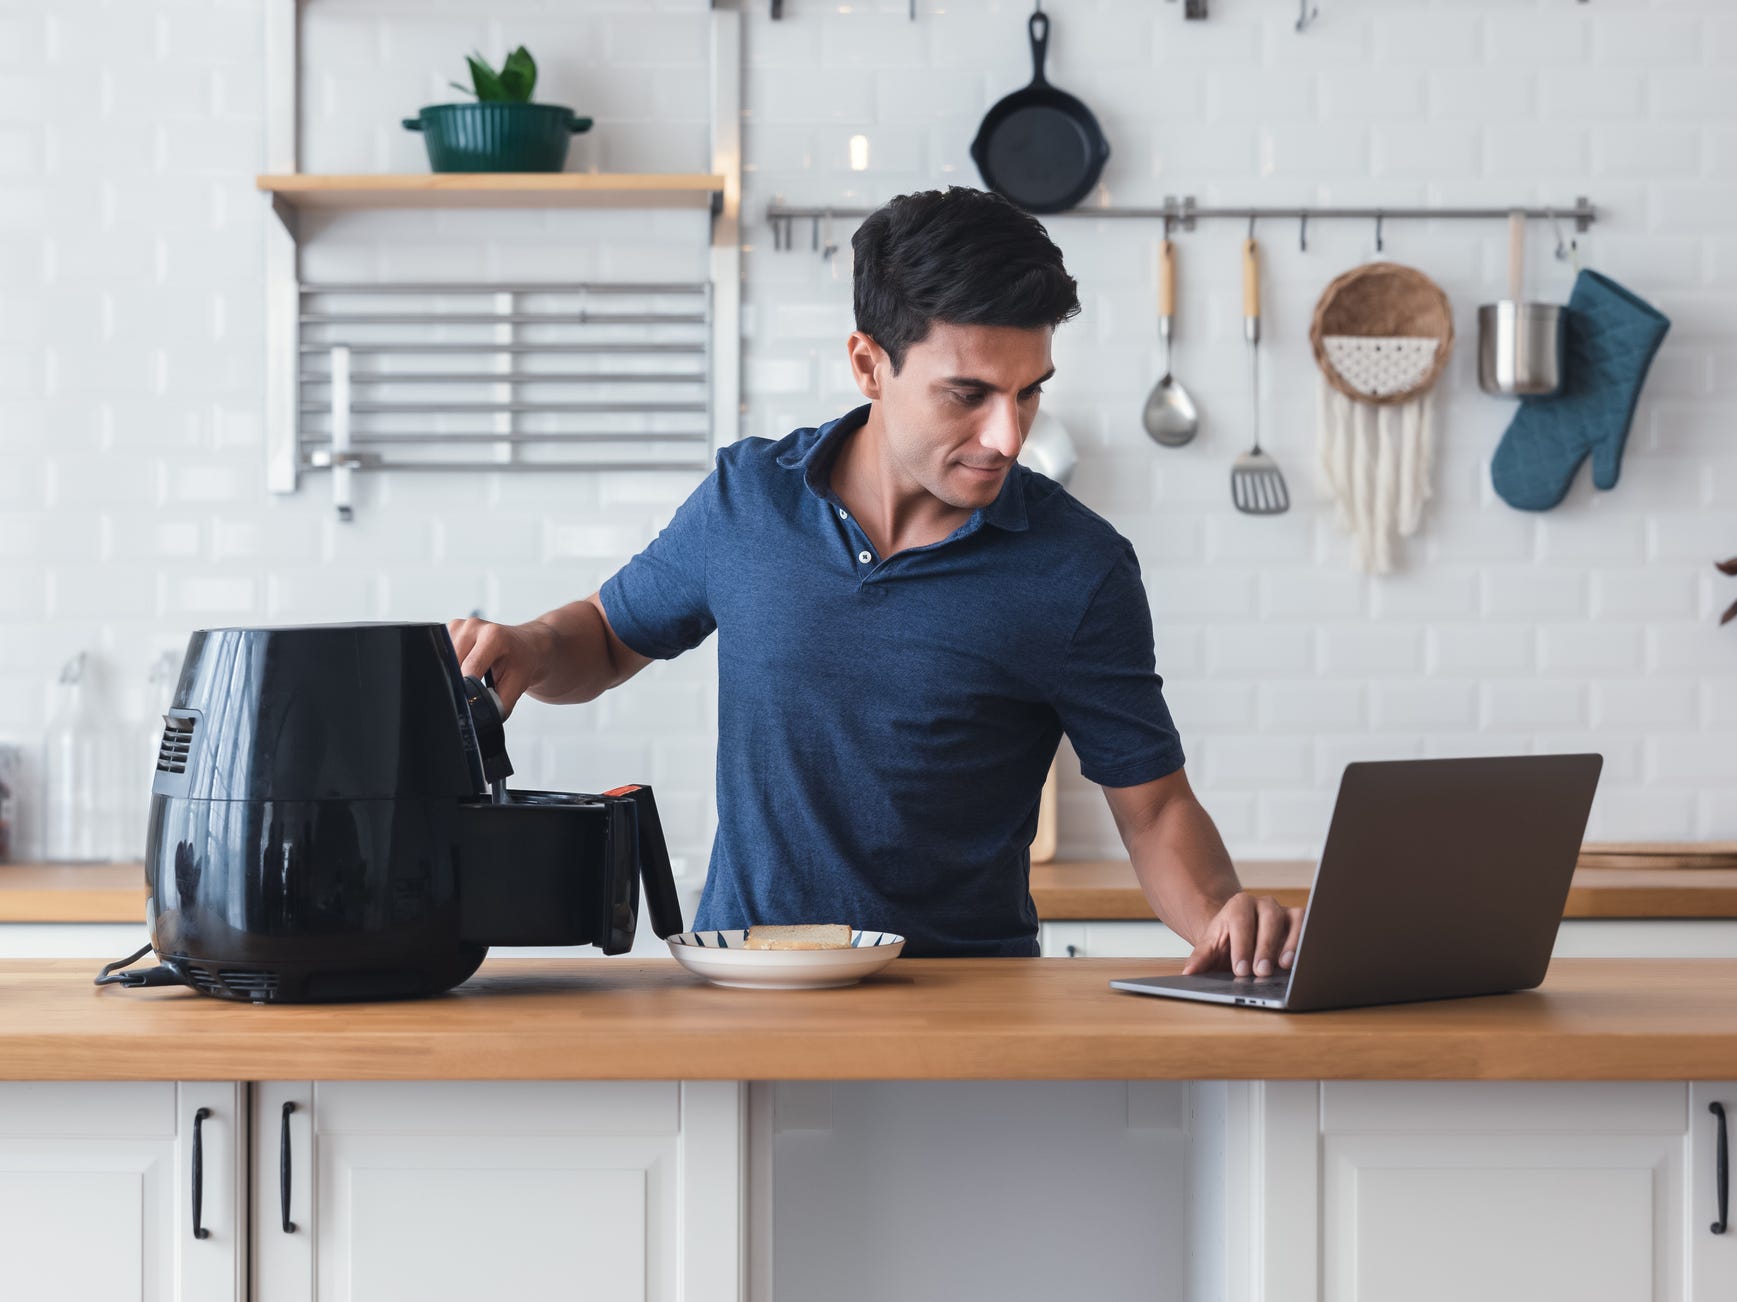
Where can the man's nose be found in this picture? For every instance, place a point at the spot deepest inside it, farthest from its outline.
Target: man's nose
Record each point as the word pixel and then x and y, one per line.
pixel 1003 434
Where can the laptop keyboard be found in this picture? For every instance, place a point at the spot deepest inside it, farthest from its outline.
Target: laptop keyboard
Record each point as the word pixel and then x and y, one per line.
pixel 1258 985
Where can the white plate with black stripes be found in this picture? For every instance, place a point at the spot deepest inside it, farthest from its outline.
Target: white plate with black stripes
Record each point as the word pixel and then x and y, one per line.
pixel 720 958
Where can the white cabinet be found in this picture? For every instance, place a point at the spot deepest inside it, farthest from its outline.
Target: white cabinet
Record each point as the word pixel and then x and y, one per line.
pixel 1712 1255
pixel 103 941
pixel 1503 1191
pixel 97 1184
pixel 1361 1191
pixel 448 1191
pixel 1106 939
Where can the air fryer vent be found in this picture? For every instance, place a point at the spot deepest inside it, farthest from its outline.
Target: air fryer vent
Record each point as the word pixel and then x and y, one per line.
pixel 234 983
pixel 176 745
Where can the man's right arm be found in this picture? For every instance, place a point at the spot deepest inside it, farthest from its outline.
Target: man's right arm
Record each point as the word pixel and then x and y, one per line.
pixel 565 657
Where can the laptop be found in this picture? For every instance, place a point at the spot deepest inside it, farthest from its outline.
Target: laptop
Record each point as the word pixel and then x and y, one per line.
pixel 1440 878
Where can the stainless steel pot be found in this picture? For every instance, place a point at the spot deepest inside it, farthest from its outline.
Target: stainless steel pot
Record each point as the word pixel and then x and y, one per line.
pixel 1520 349
pixel 1049 449
pixel 1519 343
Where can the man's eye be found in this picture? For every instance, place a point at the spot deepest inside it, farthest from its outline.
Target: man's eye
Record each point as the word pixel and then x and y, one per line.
pixel 971 397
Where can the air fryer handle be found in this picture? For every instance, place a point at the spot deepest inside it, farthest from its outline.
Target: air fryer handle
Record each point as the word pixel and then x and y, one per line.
pixel 654 866
pixel 488 726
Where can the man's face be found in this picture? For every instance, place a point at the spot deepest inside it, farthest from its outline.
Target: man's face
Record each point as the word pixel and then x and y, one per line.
pixel 958 412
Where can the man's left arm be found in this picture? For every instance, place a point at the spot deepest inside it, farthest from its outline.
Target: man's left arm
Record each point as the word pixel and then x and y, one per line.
pixel 1187 876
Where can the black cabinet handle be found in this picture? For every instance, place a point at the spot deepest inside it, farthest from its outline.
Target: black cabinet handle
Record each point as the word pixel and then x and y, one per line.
pixel 199 1231
pixel 283 1170
pixel 1724 1170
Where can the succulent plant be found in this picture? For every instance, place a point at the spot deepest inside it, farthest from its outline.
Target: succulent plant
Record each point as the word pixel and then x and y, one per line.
pixel 511 85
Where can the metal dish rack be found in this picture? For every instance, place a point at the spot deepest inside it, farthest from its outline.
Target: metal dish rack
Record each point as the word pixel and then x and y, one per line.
pixel 502 377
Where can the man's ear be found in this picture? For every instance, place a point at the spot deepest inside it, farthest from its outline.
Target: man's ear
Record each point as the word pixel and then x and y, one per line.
pixel 866 360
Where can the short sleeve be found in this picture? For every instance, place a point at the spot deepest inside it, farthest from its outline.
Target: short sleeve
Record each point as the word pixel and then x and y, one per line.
pixel 1109 696
pixel 658 602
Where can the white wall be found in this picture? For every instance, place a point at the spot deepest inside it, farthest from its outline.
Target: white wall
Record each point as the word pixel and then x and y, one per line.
pixel 132 492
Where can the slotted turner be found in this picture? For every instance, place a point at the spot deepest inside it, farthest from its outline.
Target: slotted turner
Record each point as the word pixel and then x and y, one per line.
pixel 1256 486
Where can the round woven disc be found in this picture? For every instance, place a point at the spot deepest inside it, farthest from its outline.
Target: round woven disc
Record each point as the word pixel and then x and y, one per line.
pixel 1389 300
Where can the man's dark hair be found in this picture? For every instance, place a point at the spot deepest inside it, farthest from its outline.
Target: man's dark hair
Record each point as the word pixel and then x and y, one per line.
pixel 959 255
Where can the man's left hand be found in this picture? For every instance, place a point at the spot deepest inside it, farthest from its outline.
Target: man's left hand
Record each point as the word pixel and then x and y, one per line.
pixel 1251 935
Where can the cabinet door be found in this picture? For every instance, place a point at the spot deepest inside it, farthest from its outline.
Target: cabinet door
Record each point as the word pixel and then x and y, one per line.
pixel 1712 1252
pixel 72 939
pixel 1507 1192
pixel 447 1191
pixel 96 1191
pixel 1111 940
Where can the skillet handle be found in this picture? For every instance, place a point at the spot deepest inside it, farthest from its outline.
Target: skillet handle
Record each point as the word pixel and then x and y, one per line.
pixel 1038 28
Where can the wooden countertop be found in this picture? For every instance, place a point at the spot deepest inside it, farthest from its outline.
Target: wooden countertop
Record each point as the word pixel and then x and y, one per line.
pixel 72 892
pixel 1107 890
pixel 989 1019
pixel 1614 880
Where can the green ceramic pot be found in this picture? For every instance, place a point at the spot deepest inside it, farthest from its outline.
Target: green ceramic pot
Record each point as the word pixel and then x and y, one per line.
pixel 497 137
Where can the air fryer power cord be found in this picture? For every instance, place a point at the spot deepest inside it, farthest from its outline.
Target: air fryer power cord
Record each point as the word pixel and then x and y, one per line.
pixel 145 976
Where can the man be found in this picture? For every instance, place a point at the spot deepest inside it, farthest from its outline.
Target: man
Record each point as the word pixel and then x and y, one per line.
pixel 908 620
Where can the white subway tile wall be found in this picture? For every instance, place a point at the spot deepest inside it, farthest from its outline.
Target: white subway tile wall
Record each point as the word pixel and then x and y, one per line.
pixel 133 505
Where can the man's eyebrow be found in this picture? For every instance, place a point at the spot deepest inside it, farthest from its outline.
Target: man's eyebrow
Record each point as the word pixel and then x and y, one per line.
pixel 967 382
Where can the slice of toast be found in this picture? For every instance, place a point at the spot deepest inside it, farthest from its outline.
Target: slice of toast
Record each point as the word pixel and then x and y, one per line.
pixel 829 936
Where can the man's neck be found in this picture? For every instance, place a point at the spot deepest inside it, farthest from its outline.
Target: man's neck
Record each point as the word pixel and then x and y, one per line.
pixel 894 510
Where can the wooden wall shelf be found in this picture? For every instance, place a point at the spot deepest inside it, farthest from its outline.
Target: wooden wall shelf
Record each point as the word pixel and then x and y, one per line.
pixel 702 190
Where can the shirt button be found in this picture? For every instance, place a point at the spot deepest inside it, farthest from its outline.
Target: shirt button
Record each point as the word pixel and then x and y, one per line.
pixel 864 557
pixel 844 515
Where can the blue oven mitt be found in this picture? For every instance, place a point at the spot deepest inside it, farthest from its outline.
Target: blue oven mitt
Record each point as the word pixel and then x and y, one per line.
pixel 1610 339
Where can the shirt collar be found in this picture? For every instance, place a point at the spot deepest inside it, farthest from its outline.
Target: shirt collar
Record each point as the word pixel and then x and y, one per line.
pixel 813 451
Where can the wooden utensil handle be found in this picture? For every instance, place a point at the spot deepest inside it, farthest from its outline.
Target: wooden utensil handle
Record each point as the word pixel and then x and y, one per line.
pixel 1167 278
pixel 1251 281
pixel 1516 256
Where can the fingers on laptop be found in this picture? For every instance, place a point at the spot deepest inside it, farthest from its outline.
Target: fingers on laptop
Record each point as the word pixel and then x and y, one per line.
pixel 1272 926
pixel 1254 932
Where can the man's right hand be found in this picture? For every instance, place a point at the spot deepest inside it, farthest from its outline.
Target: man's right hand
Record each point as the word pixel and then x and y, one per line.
pixel 520 654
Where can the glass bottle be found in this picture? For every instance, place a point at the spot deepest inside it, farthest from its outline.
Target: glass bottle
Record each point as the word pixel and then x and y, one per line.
pixel 72 823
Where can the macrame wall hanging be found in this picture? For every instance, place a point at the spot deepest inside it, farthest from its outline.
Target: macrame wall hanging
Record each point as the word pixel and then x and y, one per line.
pixel 1382 334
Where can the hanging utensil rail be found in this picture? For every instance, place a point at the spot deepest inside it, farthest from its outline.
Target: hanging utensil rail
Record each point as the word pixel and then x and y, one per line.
pixel 1184 213
pixel 508 376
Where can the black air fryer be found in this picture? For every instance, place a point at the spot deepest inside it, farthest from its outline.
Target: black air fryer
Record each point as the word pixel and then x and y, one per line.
pixel 330 821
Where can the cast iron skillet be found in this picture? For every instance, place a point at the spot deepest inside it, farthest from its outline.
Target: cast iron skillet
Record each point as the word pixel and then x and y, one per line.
pixel 1040 147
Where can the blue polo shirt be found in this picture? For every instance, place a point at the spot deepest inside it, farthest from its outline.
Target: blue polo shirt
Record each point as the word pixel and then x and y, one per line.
pixel 885 725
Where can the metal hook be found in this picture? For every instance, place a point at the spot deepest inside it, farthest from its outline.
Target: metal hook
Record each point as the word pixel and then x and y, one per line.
pixel 1566 250
pixel 1306 14
pixel 828 248
pixel 1380 245
pixel 1303 233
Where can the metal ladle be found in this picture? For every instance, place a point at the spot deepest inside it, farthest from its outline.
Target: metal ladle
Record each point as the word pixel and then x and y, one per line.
pixel 1169 416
